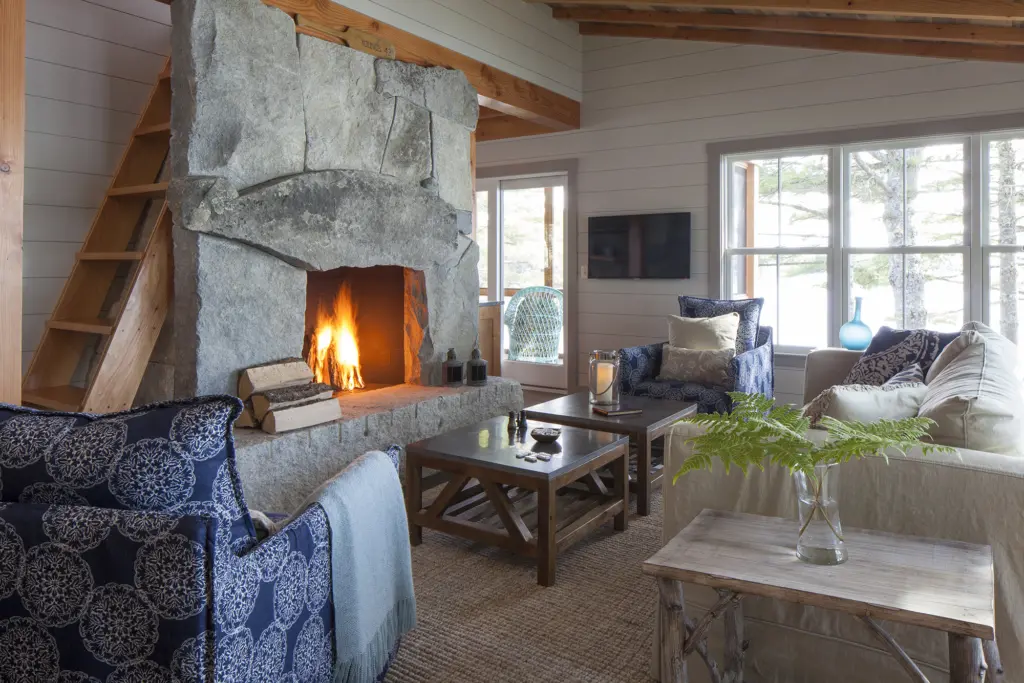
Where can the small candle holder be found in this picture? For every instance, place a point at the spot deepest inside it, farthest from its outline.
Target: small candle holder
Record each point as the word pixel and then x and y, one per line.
pixel 604 378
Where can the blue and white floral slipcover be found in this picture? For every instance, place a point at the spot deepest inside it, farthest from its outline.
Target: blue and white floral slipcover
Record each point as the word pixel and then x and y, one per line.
pixel 752 372
pixel 127 555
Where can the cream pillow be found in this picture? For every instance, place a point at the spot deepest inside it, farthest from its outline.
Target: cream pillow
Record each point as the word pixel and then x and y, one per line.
pixel 866 403
pixel 704 334
pixel 974 395
pixel 699 366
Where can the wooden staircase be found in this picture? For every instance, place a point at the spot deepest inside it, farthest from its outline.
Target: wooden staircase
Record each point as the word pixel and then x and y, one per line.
pixel 97 344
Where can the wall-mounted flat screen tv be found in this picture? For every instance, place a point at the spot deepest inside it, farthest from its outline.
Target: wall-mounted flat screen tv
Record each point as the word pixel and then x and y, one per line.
pixel 655 246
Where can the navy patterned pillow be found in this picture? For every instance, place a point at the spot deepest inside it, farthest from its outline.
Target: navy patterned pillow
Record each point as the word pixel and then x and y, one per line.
pixel 749 310
pixel 912 375
pixel 174 457
pixel 892 351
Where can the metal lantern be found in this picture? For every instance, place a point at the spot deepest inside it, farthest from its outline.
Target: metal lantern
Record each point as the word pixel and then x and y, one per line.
pixel 604 378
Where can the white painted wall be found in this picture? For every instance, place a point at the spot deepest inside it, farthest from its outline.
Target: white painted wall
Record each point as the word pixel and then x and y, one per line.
pixel 510 35
pixel 651 106
pixel 89 69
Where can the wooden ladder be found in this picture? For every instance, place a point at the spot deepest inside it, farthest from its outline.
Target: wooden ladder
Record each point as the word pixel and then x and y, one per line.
pixel 98 341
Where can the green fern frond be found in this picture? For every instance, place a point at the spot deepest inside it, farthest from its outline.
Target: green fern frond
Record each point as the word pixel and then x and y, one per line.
pixel 758 430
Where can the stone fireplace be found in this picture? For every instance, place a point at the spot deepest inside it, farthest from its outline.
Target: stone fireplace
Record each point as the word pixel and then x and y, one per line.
pixel 302 169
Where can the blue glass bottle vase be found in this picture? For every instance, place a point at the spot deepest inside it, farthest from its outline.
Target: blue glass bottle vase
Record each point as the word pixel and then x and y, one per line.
pixel 855 335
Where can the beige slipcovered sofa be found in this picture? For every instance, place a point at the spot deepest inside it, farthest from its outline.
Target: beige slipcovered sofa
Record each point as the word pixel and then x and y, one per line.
pixel 972 496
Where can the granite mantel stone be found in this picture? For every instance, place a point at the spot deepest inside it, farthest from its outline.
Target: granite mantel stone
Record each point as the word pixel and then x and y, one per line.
pixel 325 220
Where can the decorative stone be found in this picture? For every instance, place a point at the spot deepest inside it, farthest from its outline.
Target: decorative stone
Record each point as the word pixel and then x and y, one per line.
pixel 408 154
pixel 347 120
pixel 329 219
pixel 236 111
pixel 449 95
pixel 402 79
pixel 451 146
pixel 449 285
pixel 234 307
pixel 464 220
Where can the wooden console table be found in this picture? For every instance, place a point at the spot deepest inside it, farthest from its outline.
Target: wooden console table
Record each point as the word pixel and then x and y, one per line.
pixel 944 585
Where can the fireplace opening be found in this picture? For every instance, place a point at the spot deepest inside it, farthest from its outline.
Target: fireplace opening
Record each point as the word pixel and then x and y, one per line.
pixel 355 337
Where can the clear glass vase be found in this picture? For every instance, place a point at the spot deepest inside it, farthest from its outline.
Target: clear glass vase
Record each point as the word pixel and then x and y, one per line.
pixel 821 533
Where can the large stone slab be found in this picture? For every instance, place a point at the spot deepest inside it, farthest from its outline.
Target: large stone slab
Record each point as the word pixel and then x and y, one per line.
pixel 453 317
pixel 325 220
pixel 408 155
pixel 347 120
pixel 234 307
pixel 448 94
pixel 402 79
pixel 452 167
pixel 237 106
pixel 279 472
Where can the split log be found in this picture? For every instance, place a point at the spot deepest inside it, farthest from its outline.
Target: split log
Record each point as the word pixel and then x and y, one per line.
pixel 302 415
pixel 247 419
pixel 285 373
pixel 285 397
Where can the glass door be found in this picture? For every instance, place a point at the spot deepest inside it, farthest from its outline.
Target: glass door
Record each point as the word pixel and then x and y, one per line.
pixel 526 271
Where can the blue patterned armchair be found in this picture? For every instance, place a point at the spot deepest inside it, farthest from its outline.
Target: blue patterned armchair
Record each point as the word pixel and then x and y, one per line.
pixel 128 555
pixel 752 372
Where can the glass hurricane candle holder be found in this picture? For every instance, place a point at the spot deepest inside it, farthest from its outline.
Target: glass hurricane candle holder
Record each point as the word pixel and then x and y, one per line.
pixel 604 378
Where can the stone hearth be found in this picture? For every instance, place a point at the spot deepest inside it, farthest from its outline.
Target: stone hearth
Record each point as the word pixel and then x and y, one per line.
pixel 292 156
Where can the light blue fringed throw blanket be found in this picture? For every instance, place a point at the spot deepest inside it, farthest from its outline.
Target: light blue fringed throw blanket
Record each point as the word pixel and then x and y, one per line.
pixel 371 569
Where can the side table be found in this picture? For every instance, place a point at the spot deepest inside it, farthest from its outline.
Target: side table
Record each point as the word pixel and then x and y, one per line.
pixel 890 577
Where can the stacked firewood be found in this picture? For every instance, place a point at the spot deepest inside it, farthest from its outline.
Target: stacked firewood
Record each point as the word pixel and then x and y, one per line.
pixel 283 396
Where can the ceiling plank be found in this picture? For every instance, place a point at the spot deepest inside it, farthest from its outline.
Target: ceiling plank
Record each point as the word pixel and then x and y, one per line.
pixel 962 9
pixel 912 30
pixel 917 48
pixel 505 127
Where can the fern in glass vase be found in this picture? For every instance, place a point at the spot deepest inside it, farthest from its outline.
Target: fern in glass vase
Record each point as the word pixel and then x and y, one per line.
pixel 758 431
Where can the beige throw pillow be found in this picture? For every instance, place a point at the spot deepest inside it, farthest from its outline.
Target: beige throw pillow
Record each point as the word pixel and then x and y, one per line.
pixel 866 403
pixel 974 395
pixel 699 366
pixel 704 334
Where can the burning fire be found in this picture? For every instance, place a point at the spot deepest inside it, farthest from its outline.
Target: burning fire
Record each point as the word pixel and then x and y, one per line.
pixel 333 351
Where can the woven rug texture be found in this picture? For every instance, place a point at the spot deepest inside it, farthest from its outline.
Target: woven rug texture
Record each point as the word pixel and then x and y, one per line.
pixel 483 618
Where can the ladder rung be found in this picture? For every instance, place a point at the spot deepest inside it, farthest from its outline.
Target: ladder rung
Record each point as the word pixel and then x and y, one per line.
pixel 153 130
pixel 88 325
pixel 145 191
pixel 67 398
pixel 110 255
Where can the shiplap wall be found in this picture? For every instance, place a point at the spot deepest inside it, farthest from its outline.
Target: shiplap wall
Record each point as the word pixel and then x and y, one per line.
pixel 510 35
pixel 651 106
pixel 89 68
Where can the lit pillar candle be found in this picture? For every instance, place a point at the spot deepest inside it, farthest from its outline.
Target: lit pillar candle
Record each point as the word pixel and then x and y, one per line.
pixel 605 378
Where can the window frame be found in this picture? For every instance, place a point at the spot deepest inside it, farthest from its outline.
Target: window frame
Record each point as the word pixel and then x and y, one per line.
pixel 976 134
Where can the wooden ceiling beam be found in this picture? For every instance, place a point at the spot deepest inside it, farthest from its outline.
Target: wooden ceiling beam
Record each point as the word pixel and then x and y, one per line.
pixel 504 127
pixel 917 48
pixel 497 89
pixel 958 9
pixel 903 30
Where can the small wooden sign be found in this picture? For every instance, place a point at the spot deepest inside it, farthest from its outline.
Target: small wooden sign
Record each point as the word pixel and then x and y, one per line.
pixel 353 38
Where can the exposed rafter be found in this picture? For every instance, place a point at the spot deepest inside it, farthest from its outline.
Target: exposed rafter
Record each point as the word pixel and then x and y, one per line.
pixel 503 126
pixel 919 48
pixel 958 9
pixel 909 30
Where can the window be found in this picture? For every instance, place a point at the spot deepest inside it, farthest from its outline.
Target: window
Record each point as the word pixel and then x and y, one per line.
pixel 891 222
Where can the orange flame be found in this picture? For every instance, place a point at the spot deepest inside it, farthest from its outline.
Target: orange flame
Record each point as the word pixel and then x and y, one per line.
pixel 333 352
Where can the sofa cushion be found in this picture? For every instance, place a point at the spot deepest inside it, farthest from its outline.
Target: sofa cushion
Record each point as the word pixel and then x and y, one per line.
pixel 748 309
pixel 176 457
pixel 892 351
pixel 702 367
pixel 864 403
pixel 974 396
pixel 704 334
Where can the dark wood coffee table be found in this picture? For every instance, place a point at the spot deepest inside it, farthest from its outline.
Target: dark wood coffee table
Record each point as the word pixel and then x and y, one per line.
pixel 493 497
pixel 658 415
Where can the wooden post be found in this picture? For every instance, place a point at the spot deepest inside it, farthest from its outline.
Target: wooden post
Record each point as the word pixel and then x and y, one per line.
pixel 413 496
pixel 735 647
pixel 966 660
pixel 12 193
pixel 672 618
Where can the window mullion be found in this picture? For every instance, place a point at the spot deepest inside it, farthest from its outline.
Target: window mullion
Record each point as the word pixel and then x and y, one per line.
pixel 976 297
pixel 837 271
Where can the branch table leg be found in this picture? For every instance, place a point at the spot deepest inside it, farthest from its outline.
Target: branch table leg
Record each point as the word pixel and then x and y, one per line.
pixel 898 652
pixel 992 660
pixel 672 618
pixel 966 660
pixel 735 647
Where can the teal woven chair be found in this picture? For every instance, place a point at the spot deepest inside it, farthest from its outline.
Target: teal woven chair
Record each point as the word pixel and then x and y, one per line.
pixel 534 320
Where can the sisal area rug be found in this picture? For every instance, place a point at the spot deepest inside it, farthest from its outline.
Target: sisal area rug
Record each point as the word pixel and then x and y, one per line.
pixel 483 618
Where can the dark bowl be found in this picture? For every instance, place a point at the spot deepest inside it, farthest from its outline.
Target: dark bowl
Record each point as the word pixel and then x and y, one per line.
pixel 546 434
